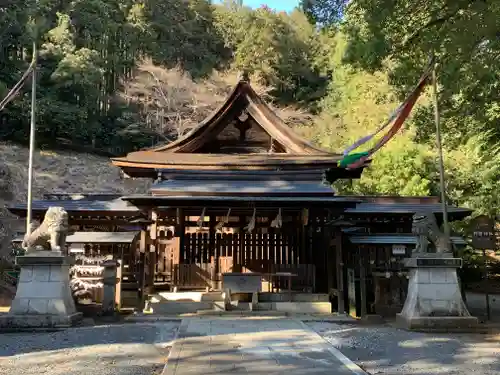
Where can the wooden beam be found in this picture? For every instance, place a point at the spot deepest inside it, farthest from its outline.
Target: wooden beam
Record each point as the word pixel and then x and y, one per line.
pixel 339 262
pixel 142 269
pixel 181 232
pixel 362 281
pixel 142 241
pixel 153 234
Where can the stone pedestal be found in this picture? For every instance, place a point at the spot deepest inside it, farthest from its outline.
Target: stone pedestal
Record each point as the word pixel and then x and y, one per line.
pixel 43 298
pixel 109 279
pixel 434 300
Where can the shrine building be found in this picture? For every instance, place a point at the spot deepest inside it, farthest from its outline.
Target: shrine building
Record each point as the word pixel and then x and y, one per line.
pixel 241 193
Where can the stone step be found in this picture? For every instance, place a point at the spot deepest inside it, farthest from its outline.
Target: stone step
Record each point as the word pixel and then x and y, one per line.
pixel 296 307
pixel 187 296
pixel 295 297
pixel 179 307
pixel 240 313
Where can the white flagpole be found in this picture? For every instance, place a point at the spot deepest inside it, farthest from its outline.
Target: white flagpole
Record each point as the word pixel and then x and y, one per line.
pixel 32 140
pixel 437 120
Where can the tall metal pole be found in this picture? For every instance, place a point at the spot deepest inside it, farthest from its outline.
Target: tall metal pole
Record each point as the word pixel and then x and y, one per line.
pixel 446 225
pixel 32 138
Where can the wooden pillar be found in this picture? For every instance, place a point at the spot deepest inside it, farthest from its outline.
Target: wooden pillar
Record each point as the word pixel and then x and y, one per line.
pixel 180 228
pixel 153 233
pixel 362 280
pixel 303 252
pixel 119 280
pixel 142 268
pixel 179 257
pixel 339 263
pixel 110 289
pixel 213 258
pixel 329 258
pixel 238 251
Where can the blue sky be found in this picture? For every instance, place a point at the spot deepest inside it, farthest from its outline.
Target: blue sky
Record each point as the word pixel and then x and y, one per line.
pixel 286 5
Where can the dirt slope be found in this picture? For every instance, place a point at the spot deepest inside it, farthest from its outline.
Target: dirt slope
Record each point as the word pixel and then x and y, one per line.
pixel 62 172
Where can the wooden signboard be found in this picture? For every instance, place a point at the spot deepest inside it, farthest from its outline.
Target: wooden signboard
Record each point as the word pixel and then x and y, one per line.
pixel 483 233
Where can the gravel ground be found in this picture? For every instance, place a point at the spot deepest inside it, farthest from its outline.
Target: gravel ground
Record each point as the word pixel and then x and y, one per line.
pixel 390 351
pixel 118 349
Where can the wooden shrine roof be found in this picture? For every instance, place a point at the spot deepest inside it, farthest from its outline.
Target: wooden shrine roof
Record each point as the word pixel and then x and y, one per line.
pixel 242 187
pixel 240 201
pixel 96 238
pixel 394 239
pixel 244 183
pixel 114 205
pixel 192 152
pixel 404 208
pixel 243 97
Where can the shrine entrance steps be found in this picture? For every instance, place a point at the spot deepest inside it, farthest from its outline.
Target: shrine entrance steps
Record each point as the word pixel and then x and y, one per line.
pixel 253 345
pixel 197 302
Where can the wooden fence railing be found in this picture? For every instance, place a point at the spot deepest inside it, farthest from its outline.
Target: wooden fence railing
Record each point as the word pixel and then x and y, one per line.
pixel 208 275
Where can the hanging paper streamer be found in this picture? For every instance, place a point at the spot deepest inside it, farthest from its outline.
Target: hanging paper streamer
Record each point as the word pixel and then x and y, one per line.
pixel 83 270
pixel 278 221
pixel 305 216
pixel 220 225
pixel 201 219
pixel 76 284
pixel 251 225
pixel 356 160
pixel 92 260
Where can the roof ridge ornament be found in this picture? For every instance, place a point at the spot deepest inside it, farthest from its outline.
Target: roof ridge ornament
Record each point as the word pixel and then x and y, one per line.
pixel 244 76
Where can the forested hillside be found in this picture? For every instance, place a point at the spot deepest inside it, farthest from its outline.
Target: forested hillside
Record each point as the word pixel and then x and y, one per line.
pixel 121 74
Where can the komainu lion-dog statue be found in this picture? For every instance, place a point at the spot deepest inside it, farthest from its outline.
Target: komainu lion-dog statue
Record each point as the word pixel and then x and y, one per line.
pixel 426 229
pixel 52 232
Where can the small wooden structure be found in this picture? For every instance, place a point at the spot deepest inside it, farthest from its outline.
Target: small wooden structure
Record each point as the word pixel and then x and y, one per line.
pixel 97 280
pixel 242 193
pixel 100 246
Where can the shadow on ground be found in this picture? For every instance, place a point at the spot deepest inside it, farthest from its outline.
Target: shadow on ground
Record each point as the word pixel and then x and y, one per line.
pixel 122 349
pixel 390 351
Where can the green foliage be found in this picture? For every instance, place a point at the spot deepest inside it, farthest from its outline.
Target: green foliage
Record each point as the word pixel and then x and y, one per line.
pixel 323 12
pixel 358 101
pixel 464 37
pixel 85 59
pixel 348 62
pixel 474 175
pixel 276 48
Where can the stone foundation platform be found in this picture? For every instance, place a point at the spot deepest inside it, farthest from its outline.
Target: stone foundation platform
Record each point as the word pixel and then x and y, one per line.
pixel 434 300
pixel 43 298
pixel 33 322
pixel 438 323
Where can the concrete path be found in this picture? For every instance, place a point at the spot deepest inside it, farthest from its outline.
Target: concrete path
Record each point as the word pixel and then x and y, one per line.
pixel 253 346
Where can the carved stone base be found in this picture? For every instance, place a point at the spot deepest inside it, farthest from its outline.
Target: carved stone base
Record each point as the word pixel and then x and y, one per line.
pixel 43 297
pixel 34 322
pixel 434 300
pixel 438 324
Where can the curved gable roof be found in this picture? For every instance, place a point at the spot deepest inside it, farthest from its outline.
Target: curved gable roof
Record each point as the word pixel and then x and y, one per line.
pixel 243 96
pixel 188 151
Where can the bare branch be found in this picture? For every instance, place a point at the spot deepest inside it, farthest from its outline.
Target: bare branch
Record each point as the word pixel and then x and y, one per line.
pixel 170 103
